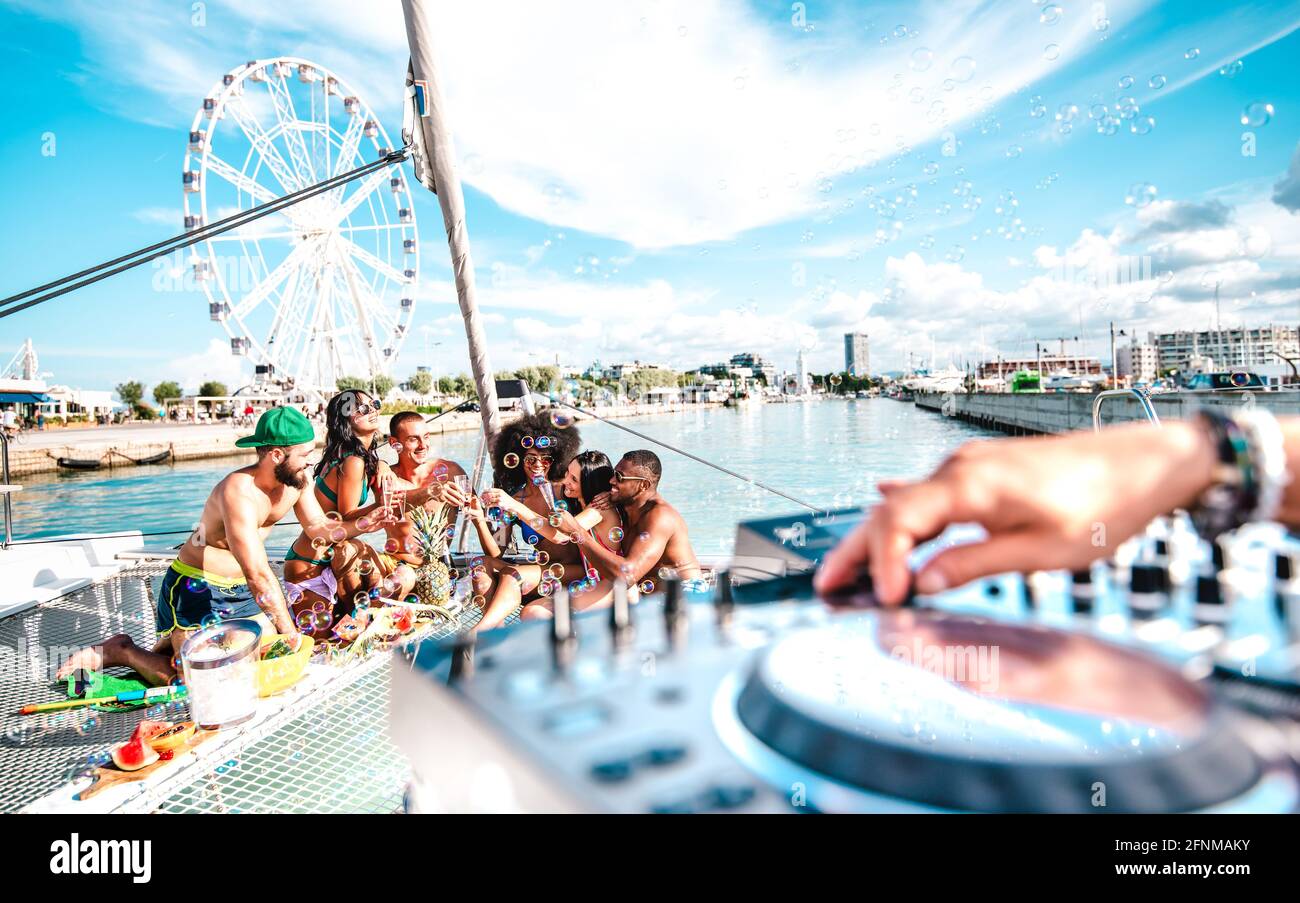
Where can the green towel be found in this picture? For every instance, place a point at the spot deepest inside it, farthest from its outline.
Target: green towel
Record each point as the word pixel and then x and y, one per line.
pixel 96 683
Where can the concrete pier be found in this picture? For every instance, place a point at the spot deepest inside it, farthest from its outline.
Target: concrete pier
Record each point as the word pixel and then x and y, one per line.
pixel 1059 412
pixel 116 445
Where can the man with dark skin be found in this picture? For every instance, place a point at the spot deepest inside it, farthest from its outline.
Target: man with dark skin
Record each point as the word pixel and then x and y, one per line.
pixel 654 540
pixel 222 568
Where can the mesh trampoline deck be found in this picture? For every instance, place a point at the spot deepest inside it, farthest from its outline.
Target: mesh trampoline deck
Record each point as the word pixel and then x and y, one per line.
pixel 327 752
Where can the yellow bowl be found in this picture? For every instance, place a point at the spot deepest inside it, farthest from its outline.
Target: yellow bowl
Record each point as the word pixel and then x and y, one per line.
pixel 281 673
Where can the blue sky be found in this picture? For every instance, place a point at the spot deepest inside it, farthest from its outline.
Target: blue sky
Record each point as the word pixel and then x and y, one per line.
pixel 676 182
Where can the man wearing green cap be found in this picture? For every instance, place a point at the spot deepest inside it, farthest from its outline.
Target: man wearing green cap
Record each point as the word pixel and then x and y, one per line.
pixel 222 569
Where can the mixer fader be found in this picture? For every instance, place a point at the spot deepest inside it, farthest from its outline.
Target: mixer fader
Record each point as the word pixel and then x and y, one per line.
pixel 1161 679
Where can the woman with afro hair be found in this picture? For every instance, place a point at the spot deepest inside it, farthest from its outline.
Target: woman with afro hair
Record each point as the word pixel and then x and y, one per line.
pixel 529 459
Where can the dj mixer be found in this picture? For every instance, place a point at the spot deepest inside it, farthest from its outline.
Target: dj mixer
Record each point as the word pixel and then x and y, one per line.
pixel 1165 678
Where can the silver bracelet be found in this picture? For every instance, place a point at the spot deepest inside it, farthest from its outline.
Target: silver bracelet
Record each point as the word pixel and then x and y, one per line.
pixel 1268 457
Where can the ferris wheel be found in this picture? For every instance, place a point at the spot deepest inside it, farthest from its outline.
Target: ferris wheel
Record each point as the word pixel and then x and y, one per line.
pixel 326 287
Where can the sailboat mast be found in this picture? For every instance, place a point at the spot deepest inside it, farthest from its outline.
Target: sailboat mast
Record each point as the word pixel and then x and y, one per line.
pixel 434 157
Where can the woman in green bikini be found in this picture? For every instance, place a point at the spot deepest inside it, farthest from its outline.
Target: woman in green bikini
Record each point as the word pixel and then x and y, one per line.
pixel 347 479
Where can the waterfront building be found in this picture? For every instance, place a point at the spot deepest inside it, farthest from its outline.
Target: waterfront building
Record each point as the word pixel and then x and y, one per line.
pixel 1230 349
pixel 857 354
pixel 757 363
pixel 1140 361
pixel 1076 364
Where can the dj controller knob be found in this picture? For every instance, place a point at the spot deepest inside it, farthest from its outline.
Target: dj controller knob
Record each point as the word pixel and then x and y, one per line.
pixel 1284 573
pixel 564 635
pixel 1164 560
pixel 725 600
pixel 1147 584
pixel 1211 606
pixel 462 658
pixel 1083 593
pixel 676 619
pixel 621 626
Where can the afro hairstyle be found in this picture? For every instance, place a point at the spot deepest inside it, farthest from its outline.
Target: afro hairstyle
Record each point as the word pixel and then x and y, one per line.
pixel 560 444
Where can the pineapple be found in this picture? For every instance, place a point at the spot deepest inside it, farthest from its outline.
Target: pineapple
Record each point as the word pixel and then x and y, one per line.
pixel 433 583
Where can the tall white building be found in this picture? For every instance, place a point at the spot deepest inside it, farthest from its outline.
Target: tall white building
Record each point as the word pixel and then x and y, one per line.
pixel 857 354
pixel 1139 360
pixel 1229 348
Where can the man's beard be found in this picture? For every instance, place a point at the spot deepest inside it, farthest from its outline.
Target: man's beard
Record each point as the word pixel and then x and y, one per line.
pixel 294 478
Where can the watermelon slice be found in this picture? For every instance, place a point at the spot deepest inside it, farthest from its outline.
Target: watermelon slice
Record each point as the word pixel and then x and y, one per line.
pixel 136 753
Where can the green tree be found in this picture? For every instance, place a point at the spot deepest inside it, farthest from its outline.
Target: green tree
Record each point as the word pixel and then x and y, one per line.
pixel 165 391
pixel 130 393
pixel 377 385
pixel 421 382
pixel 212 387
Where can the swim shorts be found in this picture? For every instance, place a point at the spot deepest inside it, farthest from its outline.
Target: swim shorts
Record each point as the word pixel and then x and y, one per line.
pixel 189 595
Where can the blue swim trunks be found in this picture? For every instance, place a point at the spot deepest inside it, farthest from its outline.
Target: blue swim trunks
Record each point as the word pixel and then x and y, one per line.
pixel 188 595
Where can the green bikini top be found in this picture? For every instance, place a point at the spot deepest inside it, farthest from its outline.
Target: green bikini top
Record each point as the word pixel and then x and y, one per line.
pixel 330 494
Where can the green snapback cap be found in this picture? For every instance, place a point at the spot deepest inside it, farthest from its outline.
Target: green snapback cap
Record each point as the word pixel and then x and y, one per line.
pixel 280 426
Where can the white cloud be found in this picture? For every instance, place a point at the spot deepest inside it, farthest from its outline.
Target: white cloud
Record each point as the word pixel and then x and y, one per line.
pixel 660 124
pixel 216 362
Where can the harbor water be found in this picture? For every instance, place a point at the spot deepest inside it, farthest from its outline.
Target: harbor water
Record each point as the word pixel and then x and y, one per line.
pixel 829 453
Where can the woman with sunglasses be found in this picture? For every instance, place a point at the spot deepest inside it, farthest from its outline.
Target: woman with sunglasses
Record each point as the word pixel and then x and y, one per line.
pixel 347 478
pixel 529 458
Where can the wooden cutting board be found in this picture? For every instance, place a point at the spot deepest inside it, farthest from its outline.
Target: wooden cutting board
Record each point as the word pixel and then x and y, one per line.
pixel 107 776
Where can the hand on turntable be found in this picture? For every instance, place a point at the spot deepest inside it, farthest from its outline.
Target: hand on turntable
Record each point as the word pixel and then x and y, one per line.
pixel 1046 502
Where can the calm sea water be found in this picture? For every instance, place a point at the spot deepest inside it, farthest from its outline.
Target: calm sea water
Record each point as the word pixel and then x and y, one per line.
pixel 830 454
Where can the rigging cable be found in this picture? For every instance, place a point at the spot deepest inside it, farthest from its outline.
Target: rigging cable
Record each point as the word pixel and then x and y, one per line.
pixel 719 467
pixel 162 248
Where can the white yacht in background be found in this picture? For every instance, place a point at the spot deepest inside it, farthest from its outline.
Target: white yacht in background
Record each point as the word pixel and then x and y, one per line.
pixel 949 379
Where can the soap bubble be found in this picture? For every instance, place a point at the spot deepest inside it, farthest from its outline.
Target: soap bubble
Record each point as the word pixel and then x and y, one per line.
pixel 391 546
pixel 644 537
pixel 510 460
pixel 646 586
pixel 1140 194
pixel 1157 82
pixel 527 441
pixel 1037 108
pixel 922 59
pixel 1126 82
pixel 1257 114
pixel 1051 52
pixel 560 419
pixel 962 68
pixel 1192 53
pixel 1232 69
pixel 543 441
pixel 1143 125
pixel 1014 151
pixel 955 254
pixel 616 534
pixel 195 585
pixel 1050 15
